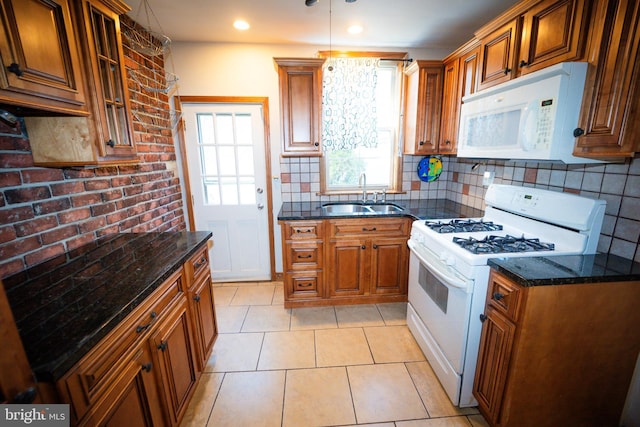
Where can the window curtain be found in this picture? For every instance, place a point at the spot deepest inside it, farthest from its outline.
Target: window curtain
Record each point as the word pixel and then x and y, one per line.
pixel 349 103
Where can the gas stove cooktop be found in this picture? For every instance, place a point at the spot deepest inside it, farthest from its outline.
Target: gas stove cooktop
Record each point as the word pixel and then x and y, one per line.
pixel 502 244
pixel 462 225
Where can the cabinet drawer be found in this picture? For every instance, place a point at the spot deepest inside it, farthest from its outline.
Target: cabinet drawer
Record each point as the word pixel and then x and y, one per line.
pixel 304 284
pixel 303 230
pixel 504 295
pixel 375 227
pixel 91 377
pixel 198 264
pixel 304 256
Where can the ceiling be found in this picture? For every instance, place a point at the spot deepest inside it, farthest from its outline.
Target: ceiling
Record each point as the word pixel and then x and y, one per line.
pixel 418 24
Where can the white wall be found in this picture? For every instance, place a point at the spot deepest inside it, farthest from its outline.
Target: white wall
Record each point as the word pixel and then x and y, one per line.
pixel 208 69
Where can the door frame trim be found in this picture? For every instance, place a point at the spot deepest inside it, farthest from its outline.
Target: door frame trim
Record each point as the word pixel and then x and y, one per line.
pixel 263 101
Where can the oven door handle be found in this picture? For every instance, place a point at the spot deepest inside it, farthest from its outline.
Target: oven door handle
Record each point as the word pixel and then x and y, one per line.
pixel 448 279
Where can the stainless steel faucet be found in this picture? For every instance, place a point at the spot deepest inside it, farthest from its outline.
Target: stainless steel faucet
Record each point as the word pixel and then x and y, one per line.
pixel 363 181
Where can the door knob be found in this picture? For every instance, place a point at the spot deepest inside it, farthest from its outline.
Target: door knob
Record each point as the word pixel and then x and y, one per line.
pixel 260 206
pixel 260 190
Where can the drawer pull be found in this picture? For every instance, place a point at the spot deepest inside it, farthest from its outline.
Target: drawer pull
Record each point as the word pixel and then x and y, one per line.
pixel 141 328
pixel 483 317
pixel 200 263
pixel 304 256
pixel 163 345
pixel 147 367
pixel 196 298
pixel 363 247
pixel 306 285
pixel 368 229
pixel 308 230
pixel 497 296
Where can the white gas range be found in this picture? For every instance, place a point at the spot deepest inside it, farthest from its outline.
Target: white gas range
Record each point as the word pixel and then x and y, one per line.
pixel 448 271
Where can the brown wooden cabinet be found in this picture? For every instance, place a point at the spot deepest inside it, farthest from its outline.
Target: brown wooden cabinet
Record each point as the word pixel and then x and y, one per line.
pixel 460 79
pixel 303 256
pixel 106 137
pixel 532 35
pixel 423 107
pixel 558 354
pixel 300 83
pixel 41 68
pixel 367 258
pixel 202 305
pixel 175 358
pixel 608 126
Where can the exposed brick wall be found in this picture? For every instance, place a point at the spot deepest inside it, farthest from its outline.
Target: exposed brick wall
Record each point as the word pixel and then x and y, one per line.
pixel 45 212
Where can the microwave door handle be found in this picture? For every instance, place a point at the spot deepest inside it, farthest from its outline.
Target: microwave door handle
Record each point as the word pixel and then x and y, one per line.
pixel 449 280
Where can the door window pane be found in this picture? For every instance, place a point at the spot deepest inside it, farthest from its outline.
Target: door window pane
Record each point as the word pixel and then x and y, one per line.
pixel 229 190
pixel 243 129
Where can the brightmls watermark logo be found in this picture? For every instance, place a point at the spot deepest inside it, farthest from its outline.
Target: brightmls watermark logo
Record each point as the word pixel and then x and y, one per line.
pixel 34 415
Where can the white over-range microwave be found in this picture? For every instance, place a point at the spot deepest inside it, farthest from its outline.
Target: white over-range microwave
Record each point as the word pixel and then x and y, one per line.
pixel 532 117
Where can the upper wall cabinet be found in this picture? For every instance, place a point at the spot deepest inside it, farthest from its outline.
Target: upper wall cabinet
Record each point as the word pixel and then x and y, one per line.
pixel 423 107
pixel 41 67
pixel 460 77
pixel 608 126
pixel 530 36
pixel 106 137
pixel 301 106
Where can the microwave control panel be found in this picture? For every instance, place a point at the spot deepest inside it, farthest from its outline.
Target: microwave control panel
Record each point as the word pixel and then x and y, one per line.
pixel 544 124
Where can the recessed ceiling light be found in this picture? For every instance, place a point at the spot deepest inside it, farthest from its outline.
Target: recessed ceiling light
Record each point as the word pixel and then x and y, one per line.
pixel 354 29
pixel 241 25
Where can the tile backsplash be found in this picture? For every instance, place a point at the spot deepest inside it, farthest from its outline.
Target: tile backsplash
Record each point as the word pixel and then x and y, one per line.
pixel 462 181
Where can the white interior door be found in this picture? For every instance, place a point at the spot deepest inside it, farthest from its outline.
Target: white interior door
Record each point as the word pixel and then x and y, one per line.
pixel 226 158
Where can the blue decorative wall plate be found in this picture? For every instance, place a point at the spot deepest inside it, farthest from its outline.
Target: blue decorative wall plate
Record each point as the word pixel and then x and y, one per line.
pixel 429 168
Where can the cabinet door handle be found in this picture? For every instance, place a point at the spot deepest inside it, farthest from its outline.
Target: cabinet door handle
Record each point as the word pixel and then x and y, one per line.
pixel 111 143
pixel 200 263
pixel 421 143
pixel 147 367
pixel 368 229
pixel 483 317
pixel 25 397
pixel 375 246
pixel 15 69
pixel 507 71
pixel 363 247
pixel 196 298
pixel 578 132
pixel 141 328
pixel 523 63
pixel 316 144
pixel 163 345
pixel 447 142
pixel 497 296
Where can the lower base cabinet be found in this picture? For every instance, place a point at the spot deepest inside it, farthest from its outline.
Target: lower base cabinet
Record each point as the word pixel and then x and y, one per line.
pixel 345 261
pixel 145 371
pixel 556 355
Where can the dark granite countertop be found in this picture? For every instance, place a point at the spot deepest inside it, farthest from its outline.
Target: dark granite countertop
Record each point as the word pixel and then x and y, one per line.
pixel 67 305
pixel 567 269
pixel 417 209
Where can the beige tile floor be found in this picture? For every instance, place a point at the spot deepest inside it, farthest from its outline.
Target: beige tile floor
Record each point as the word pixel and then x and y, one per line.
pixel 326 366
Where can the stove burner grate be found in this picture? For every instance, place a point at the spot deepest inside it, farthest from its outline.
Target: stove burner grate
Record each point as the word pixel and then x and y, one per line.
pixel 462 225
pixel 502 244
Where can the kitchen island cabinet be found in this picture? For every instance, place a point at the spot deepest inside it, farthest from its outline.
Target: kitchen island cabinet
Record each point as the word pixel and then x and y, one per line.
pixel 120 333
pixel 559 340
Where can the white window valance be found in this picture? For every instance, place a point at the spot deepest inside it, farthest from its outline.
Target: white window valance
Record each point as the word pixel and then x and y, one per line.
pixel 349 103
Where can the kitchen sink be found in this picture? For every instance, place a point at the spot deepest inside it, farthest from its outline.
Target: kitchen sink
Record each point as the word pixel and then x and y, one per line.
pixel 344 208
pixel 385 208
pixel 358 208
